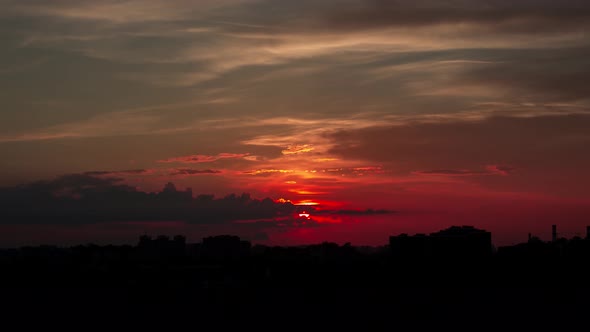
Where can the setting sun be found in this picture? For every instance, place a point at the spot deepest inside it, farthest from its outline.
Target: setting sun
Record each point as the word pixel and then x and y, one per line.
pixel 304 215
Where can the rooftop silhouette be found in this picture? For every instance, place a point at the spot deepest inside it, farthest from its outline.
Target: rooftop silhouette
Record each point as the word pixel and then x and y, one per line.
pixel 415 279
pixel 450 243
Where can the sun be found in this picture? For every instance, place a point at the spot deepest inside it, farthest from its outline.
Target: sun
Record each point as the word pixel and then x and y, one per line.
pixel 304 215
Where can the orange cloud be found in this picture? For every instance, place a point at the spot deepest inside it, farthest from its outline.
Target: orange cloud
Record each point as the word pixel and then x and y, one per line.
pixel 199 158
pixel 297 148
pixel 323 160
pixel 306 192
pixel 268 171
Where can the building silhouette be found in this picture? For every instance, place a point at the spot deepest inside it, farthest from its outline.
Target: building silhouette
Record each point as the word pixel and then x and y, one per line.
pixel 224 247
pixel 453 242
pixel 535 249
pixel 161 247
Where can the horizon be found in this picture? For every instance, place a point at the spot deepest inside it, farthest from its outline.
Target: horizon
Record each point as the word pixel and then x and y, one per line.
pixel 330 217
pixel 440 112
pixel 493 249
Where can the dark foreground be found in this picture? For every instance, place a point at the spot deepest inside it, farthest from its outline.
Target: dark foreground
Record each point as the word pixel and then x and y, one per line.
pixel 323 287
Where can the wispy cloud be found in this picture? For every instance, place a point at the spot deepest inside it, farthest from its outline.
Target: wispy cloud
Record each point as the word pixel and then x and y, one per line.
pixel 122 12
pixel 110 124
pixel 126 122
pixel 328 30
pixel 199 158
pixel 489 170
pixel 296 149
pixel 123 172
pixel 190 171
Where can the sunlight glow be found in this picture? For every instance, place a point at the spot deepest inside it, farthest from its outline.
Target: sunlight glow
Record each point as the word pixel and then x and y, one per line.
pixel 306 192
pixel 307 202
pixel 304 215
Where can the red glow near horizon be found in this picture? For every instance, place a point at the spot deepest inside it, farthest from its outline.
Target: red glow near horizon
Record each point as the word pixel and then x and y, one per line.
pixel 307 203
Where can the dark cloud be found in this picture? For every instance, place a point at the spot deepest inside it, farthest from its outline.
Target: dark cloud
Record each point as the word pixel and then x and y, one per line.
pixel 490 170
pixel 366 212
pixel 450 172
pixel 548 139
pixel 82 199
pixel 189 171
pixel 124 172
pixel 550 151
pixel 502 170
pixel 499 16
pixel 542 75
pixel 195 159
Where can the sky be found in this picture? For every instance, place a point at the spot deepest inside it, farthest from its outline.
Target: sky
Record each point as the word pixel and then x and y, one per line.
pixel 439 113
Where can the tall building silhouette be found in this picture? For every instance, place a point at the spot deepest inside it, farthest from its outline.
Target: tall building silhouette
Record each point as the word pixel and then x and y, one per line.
pixel 453 242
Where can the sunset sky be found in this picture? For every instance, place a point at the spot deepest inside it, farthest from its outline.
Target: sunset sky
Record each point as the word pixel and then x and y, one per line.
pixel 465 112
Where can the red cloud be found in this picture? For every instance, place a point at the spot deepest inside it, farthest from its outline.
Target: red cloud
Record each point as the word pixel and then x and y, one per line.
pixel 501 170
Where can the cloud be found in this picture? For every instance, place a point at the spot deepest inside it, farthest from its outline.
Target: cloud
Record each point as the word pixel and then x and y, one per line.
pixel 307 74
pixel 189 171
pixel 479 140
pixel 254 158
pixel 153 119
pixel 197 159
pixel 84 199
pixel 554 75
pixel 500 16
pixel 81 199
pixel 550 151
pixel 450 172
pixel 365 212
pixel 117 31
pixel 124 172
pixel 119 12
pixel 489 170
pixel 501 170
pixel 268 172
pixel 460 51
pixel 111 124
pixel 297 148
pixel 337 171
pixel 324 160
